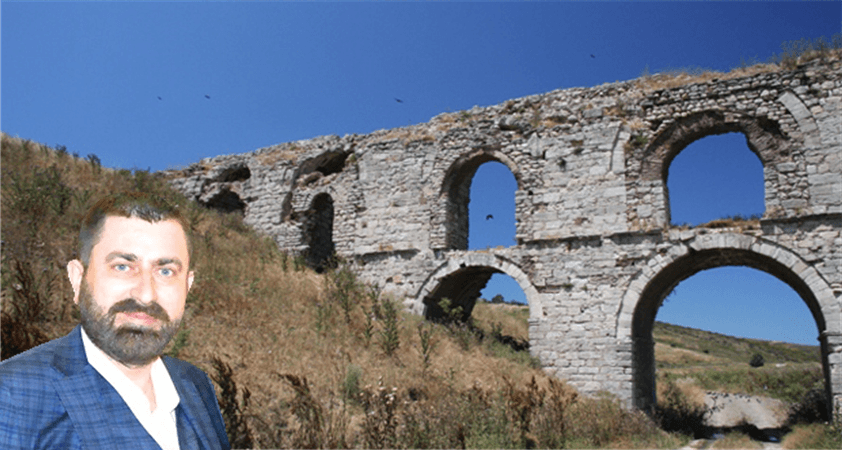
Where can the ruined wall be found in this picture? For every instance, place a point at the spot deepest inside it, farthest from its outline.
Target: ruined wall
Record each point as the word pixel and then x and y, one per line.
pixel 595 251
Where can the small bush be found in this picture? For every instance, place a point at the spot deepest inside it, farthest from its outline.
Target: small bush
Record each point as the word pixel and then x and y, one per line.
pixel 318 426
pixel 427 343
pixel 18 335
pixel 757 360
pixel 676 412
pixel 179 342
pixel 233 411
pixel 812 408
pixel 380 425
pixel 342 288
pixel 390 328
pixel 351 383
pixel 603 422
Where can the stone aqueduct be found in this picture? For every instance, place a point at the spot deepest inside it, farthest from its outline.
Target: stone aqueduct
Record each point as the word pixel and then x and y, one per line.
pixel 595 254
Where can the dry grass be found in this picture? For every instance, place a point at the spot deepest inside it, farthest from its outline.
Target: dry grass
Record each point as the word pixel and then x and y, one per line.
pixel 510 318
pixel 288 152
pixel 736 440
pixel 671 356
pixel 681 77
pixel 292 369
pixel 793 54
pixel 694 395
pixel 417 133
pixel 814 436
pixel 738 223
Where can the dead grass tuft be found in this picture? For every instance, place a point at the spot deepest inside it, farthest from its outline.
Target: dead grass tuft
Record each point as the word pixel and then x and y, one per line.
pixel 288 152
pixel 794 53
pixel 407 135
pixel 815 435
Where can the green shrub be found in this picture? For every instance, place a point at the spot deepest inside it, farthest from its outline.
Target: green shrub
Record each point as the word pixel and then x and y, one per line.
pixel 342 288
pixel 390 328
pixel 351 382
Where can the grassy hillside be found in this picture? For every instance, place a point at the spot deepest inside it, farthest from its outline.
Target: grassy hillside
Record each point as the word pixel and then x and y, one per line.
pixel 300 359
pixel 716 362
pixel 305 360
pixel 704 347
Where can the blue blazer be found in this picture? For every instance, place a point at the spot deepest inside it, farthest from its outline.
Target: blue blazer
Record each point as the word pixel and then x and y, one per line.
pixel 51 398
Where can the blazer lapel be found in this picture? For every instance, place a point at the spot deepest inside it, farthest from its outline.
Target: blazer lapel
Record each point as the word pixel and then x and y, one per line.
pixel 192 413
pixel 100 416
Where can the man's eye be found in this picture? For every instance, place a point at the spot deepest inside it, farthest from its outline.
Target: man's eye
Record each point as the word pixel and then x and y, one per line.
pixel 167 272
pixel 121 267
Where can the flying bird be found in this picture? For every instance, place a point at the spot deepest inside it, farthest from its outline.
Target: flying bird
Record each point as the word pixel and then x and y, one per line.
pixel 489 217
pixel 159 98
pixel 398 100
pixel 592 56
pixel 207 96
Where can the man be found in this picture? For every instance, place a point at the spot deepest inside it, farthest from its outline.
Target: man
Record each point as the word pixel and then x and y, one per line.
pixel 106 385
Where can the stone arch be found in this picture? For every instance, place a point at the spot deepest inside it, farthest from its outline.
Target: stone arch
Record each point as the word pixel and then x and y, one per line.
pixel 319 231
pixel 226 201
pixel 712 169
pixel 804 118
pixel 465 275
pixel 764 138
pixel 456 189
pixel 648 289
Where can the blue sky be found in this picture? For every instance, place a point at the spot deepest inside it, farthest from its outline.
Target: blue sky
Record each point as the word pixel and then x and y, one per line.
pixel 157 85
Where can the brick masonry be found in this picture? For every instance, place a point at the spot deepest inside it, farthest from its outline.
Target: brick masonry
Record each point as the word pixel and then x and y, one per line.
pixel 595 253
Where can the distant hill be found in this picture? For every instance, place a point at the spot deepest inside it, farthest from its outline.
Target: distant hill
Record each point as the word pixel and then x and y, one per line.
pixel 677 347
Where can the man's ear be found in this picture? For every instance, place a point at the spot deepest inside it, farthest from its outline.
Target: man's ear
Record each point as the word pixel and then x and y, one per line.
pixel 190 279
pixel 75 272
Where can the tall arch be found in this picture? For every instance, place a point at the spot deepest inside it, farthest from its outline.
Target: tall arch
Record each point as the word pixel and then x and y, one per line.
pixel 764 137
pixel 319 232
pixel 647 291
pixel 455 194
pixel 714 177
pixel 462 277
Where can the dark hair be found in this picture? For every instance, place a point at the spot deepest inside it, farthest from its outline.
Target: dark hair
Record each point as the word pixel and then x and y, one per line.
pixel 132 204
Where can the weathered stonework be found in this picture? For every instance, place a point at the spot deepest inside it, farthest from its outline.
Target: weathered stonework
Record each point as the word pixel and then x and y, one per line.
pixel 595 253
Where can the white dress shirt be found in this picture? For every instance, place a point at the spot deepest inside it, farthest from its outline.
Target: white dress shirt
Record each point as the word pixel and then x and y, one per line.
pixel 161 423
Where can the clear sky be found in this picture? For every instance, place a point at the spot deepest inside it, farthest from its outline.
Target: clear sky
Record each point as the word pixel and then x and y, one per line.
pixel 157 85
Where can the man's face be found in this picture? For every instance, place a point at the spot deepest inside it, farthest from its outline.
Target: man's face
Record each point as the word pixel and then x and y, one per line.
pixel 132 294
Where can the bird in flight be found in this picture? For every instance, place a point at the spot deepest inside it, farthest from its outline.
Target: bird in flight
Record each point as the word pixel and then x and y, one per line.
pixel 159 98
pixel 207 96
pixel 398 100
pixel 489 217
pixel 592 55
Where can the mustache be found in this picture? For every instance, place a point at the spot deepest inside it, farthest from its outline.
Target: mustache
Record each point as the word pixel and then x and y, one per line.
pixel 131 305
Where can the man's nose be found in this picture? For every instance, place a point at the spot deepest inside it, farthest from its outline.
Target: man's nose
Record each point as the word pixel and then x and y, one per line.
pixel 145 290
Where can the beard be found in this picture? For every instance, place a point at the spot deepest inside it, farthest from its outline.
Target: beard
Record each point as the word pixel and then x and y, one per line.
pixel 130 344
